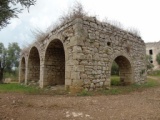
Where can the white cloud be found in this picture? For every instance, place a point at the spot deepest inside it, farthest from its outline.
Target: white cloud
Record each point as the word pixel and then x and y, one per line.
pixel 15 23
pixel 140 14
pixel 40 22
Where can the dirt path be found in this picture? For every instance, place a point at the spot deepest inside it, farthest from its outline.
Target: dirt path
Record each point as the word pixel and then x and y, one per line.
pixel 155 78
pixel 133 106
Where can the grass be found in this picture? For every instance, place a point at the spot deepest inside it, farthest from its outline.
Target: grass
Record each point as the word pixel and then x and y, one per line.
pixel 12 76
pixel 115 80
pixel 84 93
pixel 117 89
pixel 114 90
pixel 131 88
pixel 16 87
pixel 155 73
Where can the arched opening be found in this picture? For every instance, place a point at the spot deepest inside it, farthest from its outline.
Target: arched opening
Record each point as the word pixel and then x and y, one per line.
pixel 33 67
pixel 122 73
pixel 22 70
pixel 55 64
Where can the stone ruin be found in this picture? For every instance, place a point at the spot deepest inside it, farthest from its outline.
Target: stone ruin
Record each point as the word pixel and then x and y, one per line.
pixel 153 49
pixel 79 55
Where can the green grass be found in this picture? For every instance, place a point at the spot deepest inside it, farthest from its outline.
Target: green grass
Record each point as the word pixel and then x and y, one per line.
pixel 114 90
pixel 155 73
pixel 16 87
pixel 12 76
pixel 115 80
pixel 131 88
pixel 150 83
pixel 117 89
pixel 84 93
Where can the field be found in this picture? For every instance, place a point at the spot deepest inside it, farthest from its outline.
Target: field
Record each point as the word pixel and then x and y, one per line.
pixel 135 102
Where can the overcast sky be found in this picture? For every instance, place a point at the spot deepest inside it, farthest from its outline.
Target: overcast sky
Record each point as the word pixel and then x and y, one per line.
pixel 143 15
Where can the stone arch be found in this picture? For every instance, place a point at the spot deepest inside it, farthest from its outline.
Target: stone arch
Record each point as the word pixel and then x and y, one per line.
pixel 33 72
pixel 125 68
pixel 22 70
pixel 54 63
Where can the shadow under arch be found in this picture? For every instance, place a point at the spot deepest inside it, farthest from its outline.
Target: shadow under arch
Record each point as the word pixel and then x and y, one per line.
pixel 33 74
pixel 22 70
pixel 125 69
pixel 54 64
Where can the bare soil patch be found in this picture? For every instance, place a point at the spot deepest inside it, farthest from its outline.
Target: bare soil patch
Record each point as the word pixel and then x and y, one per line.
pixel 143 105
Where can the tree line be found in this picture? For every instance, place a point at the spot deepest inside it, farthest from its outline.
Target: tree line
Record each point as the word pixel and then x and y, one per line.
pixel 9 58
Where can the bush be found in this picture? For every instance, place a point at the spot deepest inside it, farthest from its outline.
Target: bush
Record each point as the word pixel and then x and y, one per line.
pixel 77 11
pixel 115 80
pixel 115 69
pixel 117 24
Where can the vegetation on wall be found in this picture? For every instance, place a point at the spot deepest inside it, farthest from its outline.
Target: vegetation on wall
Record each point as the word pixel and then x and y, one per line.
pixel 76 11
pixel 117 24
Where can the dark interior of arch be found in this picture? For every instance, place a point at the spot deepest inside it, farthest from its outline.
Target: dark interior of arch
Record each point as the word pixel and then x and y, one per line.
pixel 125 70
pixel 22 70
pixel 34 66
pixel 55 63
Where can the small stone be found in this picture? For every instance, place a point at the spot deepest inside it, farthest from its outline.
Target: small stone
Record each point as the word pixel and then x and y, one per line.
pixel 92 85
pixel 94 25
pixel 101 84
pixel 92 36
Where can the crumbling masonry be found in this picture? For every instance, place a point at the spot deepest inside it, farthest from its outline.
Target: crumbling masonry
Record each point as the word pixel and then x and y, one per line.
pixel 79 55
pixel 153 49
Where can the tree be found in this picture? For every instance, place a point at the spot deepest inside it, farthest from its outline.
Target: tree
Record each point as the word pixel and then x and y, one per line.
pixel 7 11
pixel 158 58
pixel 115 69
pixel 8 58
pixel 2 61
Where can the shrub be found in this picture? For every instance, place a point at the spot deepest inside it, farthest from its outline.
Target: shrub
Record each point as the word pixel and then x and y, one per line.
pixel 77 11
pixel 117 24
pixel 115 81
pixel 115 69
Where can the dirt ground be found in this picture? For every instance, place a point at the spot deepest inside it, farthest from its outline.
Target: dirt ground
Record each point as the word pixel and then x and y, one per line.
pixel 143 105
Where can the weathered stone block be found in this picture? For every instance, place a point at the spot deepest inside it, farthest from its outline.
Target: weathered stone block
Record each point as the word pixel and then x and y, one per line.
pixel 78 56
pixel 77 49
pixel 79 68
pixel 92 36
pixel 77 83
pixel 67 75
pixel 75 75
pixel 68 82
pixel 76 40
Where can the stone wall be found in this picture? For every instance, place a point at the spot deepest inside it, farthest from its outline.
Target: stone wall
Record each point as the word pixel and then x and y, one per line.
pixel 153 49
pixel 22 69
pixel 83 50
